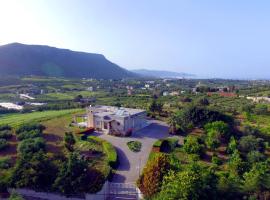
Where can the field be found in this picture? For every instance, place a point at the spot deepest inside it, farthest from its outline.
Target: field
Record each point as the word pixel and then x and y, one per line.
pixel 20 118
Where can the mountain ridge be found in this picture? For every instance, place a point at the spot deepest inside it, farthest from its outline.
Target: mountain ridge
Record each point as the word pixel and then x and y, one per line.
pixel 42 60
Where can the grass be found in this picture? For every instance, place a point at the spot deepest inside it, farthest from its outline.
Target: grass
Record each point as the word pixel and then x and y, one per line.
pixel 66 95
pixel 134 146
pixel 17 119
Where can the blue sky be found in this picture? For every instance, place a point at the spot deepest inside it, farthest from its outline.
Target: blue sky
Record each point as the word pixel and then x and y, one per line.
pixel 229 39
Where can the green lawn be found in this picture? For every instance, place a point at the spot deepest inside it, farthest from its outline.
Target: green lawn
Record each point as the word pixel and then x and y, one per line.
pixel 20 118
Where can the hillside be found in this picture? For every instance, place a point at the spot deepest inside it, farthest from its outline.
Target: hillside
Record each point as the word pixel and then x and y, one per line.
pixel 20 60
pixel 161 74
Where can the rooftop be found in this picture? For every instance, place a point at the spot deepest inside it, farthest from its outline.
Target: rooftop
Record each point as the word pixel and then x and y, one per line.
pixel 107 111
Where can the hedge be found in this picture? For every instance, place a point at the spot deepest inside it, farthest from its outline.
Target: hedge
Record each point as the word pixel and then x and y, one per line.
pixel 109 150
pixel 158 143
pixel 111 154
pixel 168 143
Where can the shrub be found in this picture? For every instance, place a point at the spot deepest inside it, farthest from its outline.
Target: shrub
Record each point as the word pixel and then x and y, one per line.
pixel 15 196
pixel 157 143
pixel 69 141
pixel 216 160
pixel 232 146
pixel 218 126
pixel 192 145
pixel 4 127
pixel 33 171
pixel 173 142
pixel 3 144
pixel 5 134
pixel 31 145
pixel 30 127
pixel 192 183
pixel 110 153
pixel 134 146
pixel 251 143
pixel 151 179
pixel 255 156
pixel 261 109
pixel 28 134
pixel 5 162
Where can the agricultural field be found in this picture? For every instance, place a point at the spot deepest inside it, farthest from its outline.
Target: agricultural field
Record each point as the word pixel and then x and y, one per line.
pixel 18 119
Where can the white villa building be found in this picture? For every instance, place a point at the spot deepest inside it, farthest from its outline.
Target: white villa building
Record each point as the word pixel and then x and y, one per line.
pixel 115 120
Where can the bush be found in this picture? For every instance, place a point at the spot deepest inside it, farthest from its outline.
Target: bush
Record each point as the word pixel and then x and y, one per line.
pixel 261 109
pixel 5 134
pixel 3 144
pixel 35 171
pixel 69 141
pixel 31 145
pixel 28 134
pixel 157 143
pixel 255 156
pixel 173 142
pixel 15 196
pixel 216 160
pixel 151 179
pixel 220 127
pixel 251 143
pixel 192 145
pixel 5 162
pixel 134 146
pixel 5 127
pixel 30 127
pixel 111 154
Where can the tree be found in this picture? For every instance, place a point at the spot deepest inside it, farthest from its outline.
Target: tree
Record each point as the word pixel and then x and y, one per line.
pixel 254 157
pixel 232 146
pixel 75 177
pixel 192 183
pixel 236 164
pixel 31 145
pixel 261 109
pixel 78 98
pixel 33 171
pixel 192 145
pixel 151 179
pixel 203 101
pixel 220 127
pixel 258 178
pixel 156 106
pixel 251 143
pixel 213 139
pixel 15 196
pixel 69 141
pixel 229 185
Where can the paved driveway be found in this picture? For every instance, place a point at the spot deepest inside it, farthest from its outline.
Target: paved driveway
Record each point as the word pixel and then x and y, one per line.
pixel 130 163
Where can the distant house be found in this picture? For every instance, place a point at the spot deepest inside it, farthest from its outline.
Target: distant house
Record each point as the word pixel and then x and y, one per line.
pixel 114 120
pixel 147 86
pixel 165 93
pixel 174 93
pixel 26 96
pixel 259 99
pixel 91 89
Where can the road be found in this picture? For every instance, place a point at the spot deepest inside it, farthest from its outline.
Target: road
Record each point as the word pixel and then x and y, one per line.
pixel 131 163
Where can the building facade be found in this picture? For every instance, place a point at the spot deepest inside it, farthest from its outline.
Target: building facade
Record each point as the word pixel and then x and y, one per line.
pixel 116 121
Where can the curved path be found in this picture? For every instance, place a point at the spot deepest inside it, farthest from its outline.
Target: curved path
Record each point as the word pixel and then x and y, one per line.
pixel 131 163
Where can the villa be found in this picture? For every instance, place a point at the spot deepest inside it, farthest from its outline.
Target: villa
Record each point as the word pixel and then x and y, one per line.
pixel 115 120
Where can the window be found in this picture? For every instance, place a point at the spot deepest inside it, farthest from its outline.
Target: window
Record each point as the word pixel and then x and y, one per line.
pixel 105 125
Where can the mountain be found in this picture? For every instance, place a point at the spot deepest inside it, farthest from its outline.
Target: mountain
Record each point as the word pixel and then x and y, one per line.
pixel 161 74
pixel 21 60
